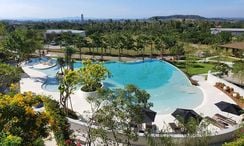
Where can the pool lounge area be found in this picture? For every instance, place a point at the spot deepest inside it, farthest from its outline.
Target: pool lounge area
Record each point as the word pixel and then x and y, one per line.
pixel 174 82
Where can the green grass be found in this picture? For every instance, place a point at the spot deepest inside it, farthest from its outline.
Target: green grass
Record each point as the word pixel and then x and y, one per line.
pixel 225 58
pixel 195 68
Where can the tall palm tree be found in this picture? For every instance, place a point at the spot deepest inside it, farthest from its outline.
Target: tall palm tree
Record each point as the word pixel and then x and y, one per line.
pixel 80 42
pixel 151 41
pixel 69 51
pixel 61 63
pixel 89 43
pixel 159 45
pixel 140 45
pixel 104 45
pixel 119 44
pixel 96 41
pixel 129 42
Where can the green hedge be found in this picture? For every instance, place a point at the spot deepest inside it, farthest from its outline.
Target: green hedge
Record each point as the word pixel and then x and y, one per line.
pixel 58 121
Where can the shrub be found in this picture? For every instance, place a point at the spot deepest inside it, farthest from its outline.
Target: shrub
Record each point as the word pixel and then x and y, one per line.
pixel 91 75
pixel 57 120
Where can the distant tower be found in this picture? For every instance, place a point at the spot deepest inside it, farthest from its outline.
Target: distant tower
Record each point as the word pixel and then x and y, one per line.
pixel 82 18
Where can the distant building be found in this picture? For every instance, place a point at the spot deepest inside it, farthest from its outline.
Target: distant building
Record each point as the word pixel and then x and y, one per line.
pixel 237 48
pixel 82 18
pixel 60 31
pixel 57 32
pixel 233 31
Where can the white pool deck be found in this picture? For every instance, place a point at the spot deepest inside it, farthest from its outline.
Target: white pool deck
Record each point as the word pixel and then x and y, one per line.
pixel 212 95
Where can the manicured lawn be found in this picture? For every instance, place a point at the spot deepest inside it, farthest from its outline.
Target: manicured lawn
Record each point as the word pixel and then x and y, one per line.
pixel 195 68
pixel 225 58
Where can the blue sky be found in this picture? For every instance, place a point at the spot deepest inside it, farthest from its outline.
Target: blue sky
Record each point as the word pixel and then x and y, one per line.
pixel 119 8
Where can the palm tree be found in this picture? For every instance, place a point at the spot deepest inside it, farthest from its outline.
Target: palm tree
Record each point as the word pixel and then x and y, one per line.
pixel 144 41
pixel 129 42
pixel 80 42
pixel 69 51
pixel 104 45
pixel 119 44
pixel 96 41
pixel 140 45
pixel 61 63
pixel 151 41
pixel 159 45
pixel 89 43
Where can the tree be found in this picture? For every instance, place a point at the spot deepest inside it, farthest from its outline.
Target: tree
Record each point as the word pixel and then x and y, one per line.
pixel 118 110
pixel 21 44
pixel 67 86
pixel 18 128
pixel 159 45
pixel 8 75
pixel 129 42
pixel 91 75
pixel 141 43
pixel 224 37
pixel 61 63
pixel 66 38
pixel 151 41
pixel 222 68
pixel 118 42
pixel 10 140
pixel 68 52
pixel 96 40
pixel 35 40
pixel 80 42
pixel 177 50
pixel 238 70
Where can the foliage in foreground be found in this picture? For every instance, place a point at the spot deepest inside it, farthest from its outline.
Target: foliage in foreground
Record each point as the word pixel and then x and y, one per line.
pixel 19 123
pixel 57 120
pixel 8 75
pixel 239 141
pixel 114 112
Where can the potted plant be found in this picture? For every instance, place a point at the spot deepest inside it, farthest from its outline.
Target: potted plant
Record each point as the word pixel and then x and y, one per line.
pixel 92 75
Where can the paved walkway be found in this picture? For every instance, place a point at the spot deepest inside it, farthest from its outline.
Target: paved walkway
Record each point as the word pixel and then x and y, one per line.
pixel 211 96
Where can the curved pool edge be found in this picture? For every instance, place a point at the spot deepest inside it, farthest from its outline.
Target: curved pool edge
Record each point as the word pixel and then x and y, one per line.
pixel 138 62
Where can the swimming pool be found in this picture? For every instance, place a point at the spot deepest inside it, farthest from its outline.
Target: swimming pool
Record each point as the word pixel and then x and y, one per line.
pixel 168 86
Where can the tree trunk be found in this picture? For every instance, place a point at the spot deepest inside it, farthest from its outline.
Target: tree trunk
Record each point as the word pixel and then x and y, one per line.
pixel 80 53
pixel 119 55
pixel 142 54
pixel 101 53
pixel 71 106
pixel 162 54
pixel 93 50
pixel 89 49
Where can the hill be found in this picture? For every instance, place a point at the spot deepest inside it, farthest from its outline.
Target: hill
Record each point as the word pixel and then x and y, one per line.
pixel 171 17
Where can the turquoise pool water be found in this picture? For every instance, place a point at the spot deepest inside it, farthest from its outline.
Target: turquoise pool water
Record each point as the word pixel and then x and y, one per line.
pixel 169 87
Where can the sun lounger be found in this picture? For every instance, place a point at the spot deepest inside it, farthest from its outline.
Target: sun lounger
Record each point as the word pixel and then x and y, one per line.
pixel 225 119
pixel 175 128
pixel 216 123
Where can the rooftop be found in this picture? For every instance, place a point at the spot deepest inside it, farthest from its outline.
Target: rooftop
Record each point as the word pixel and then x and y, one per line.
pixel 235 45
pixel 227 29
pixel 58 31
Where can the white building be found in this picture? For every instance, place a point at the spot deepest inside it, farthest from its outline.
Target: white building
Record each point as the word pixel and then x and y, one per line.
pixel 233 31
pixel 60 31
